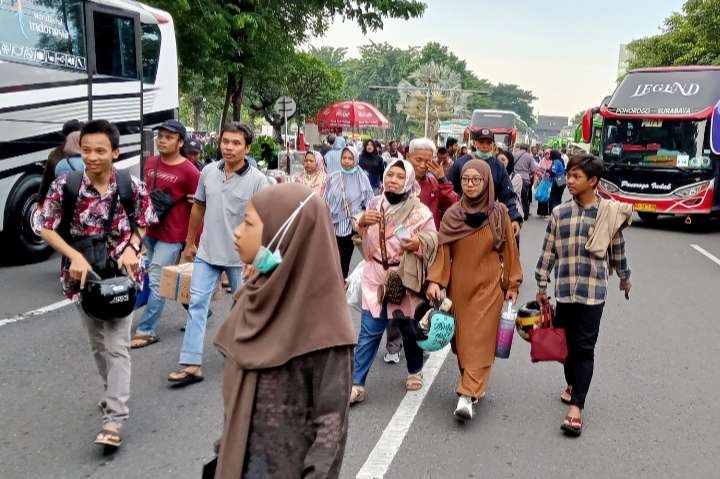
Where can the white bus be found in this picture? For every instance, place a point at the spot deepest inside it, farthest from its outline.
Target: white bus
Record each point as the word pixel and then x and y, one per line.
pixel 75 59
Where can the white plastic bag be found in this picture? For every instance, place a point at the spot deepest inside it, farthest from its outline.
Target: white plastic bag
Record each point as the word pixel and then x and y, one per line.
pixel 353 289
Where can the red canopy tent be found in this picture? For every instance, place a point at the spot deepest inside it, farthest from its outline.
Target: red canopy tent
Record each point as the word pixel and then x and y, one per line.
pixel 351 114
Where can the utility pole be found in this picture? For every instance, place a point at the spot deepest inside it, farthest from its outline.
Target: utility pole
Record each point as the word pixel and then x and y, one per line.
pixel 428 90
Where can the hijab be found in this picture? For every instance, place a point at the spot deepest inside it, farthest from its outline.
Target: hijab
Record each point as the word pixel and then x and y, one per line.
pixel 410 191
pixel 72 144
pixel 353 185
pixel 316 180
pixel 477 211
pixel 294 310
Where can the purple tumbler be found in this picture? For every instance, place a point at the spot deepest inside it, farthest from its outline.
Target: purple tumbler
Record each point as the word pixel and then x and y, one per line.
pixel 506 329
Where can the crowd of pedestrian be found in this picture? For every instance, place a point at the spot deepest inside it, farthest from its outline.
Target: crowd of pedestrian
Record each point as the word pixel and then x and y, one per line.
pixel 430 223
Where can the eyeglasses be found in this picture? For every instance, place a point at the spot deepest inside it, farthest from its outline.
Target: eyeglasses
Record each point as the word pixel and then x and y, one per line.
pixel 471 180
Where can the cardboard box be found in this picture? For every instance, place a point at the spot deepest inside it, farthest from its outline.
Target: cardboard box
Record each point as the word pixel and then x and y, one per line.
pixel 175 283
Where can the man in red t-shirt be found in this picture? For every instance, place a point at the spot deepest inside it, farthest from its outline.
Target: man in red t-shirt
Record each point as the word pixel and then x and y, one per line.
pixel 175 176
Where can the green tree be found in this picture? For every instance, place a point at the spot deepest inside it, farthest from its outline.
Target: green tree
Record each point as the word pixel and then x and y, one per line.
pixel 687 38
pixel 331 56
pixel 241 40
pixel 309 81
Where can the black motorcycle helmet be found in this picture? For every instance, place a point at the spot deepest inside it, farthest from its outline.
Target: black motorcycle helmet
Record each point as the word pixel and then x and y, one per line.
pixel 108 299
pixel 528 317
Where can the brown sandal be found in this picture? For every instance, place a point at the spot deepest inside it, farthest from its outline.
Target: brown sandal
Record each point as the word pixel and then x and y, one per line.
pixel 108 437
pixel 357 394
pixel 566 396
pixel 184 377
pixel 572 426
pixel 414 382
pixel 142 340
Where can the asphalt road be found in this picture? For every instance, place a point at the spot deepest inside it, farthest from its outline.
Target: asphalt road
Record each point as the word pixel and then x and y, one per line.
pixel 650 412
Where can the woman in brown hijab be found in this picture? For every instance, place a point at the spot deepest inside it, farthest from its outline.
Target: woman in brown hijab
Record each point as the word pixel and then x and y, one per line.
pixel 475 258
pixel 288 344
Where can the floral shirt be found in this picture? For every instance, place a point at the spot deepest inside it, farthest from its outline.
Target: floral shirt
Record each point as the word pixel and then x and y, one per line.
pixel 91 212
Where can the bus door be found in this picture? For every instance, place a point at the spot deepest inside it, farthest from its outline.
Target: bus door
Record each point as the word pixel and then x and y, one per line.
pixel 115 71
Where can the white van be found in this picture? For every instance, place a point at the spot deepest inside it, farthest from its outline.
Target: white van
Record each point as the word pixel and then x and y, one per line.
pixel 75 59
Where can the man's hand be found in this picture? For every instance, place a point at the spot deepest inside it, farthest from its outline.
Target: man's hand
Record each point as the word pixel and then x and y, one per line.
pixel 370 217
pixel 511 296
pixel 79 269
pixel 190 251
pixel 626 285
pixel 436 169
pixel 411 245
pixel 433 292
pixel 516 226
pixel 129 260
pixel 542 297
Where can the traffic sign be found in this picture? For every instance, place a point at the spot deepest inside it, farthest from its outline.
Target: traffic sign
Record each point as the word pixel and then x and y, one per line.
pixel 285 106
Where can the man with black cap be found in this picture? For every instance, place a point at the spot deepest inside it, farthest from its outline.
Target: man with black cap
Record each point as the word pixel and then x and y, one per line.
pixel 172 180
pixel 484 142
pixel 192 150
pixel 54 158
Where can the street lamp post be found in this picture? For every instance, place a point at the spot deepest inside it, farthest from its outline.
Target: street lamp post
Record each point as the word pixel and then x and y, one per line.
pixel 428 90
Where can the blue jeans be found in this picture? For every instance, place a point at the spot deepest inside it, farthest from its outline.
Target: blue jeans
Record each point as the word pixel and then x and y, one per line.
pixel 202 285
pixel 160 254
pixel 371 331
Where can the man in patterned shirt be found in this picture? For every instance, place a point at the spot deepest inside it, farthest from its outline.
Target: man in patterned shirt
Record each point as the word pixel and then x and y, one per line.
pixel 109 339
pixel 581 279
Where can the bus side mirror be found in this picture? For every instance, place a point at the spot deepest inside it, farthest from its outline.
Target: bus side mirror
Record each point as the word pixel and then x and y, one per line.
pixel 587 123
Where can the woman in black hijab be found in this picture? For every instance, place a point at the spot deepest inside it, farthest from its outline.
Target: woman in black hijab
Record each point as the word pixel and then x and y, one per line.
pixel 372 163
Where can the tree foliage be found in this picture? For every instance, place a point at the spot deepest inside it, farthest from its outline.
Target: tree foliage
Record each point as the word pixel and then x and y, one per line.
pixel 687 38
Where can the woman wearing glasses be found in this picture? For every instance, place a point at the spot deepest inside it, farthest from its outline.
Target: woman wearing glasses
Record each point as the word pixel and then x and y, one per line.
pixel 478 263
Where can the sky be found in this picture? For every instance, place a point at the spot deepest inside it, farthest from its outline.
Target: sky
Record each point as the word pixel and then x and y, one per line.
pixel 565 52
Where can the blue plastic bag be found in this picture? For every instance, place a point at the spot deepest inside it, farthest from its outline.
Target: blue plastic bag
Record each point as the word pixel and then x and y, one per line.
pixel 542 194
pixel 144 294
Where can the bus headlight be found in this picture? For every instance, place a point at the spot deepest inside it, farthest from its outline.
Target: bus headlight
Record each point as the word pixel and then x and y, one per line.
pixel 609 187
pixel 691 190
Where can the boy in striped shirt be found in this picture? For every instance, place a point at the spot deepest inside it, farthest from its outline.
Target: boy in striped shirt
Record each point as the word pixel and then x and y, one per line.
pixel 581 277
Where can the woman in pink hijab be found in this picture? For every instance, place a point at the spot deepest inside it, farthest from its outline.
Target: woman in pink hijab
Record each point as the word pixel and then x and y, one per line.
pixel 314 175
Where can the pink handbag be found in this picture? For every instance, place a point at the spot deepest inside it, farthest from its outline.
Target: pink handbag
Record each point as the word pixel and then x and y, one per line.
pixel 548 343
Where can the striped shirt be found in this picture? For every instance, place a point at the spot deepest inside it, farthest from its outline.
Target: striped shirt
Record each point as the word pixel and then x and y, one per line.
pixel 580 277
pixel 346 195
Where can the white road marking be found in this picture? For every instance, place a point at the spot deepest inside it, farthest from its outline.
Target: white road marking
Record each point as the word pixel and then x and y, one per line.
pixel 707 254
pixel 36 312
pixel 383 453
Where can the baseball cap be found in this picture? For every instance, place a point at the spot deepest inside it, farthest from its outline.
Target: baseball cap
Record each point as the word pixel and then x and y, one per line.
pixel 193 146
pixel 175 127
pixel 482 134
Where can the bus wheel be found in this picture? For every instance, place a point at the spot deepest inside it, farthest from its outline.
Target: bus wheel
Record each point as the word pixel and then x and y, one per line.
pixel 24 245
pixel 648 217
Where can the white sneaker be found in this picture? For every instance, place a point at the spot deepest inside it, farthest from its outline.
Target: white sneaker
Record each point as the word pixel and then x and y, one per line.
pixel 392 358
pixel 464 409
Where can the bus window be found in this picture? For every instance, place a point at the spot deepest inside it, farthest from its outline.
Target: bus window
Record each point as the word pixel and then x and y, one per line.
pixel 114 45
pixel 47 34
pixel 150 52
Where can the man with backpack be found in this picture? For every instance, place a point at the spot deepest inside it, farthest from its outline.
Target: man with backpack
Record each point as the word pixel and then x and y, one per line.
pixel 96 220
pixel 172 180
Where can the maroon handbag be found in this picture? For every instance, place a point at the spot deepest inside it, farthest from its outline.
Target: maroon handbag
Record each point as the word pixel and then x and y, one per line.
pixel 548 343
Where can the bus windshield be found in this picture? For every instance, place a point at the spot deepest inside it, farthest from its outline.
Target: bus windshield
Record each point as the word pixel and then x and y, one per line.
pixel 657 143
pixel 486 119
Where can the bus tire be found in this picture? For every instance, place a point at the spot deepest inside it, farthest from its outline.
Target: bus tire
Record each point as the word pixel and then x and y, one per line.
pixel 24 245
pixel 648 217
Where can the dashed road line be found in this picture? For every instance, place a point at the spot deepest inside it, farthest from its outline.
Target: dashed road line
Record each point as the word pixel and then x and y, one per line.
pixel 382 455
pixel 706 253
pixel 36 312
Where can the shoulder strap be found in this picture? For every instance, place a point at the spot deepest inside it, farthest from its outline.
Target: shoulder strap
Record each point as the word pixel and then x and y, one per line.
pixel 383 245
pixel 124 184
pixel 71 190
pixel 157 165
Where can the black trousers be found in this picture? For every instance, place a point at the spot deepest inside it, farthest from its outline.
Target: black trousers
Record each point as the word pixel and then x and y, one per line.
pixel 346 247
pixel 526 197
pixel 582 325
pixel 556 193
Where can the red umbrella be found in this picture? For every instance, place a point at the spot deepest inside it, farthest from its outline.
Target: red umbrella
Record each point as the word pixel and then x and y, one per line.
pixel 351 114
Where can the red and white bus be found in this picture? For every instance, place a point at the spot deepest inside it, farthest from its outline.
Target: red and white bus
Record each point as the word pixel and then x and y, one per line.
pixel 507 127
pixel 656 141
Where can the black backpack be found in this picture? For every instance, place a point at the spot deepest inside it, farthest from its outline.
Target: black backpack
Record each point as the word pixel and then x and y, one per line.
pixel 94 248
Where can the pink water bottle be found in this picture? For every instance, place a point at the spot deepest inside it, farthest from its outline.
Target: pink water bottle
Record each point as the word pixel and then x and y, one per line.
pixel 506 329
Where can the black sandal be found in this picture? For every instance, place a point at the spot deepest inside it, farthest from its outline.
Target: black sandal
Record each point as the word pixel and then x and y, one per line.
pixel 184 377
pixel 566 399
pixel 572 426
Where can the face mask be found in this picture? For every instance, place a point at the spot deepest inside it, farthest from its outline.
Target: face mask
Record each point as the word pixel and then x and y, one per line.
pixel 266 260
pixel 350 171
pixel 395 198
pixel 483 155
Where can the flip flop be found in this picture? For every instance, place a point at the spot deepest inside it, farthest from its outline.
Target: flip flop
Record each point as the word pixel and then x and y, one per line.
pixel 566 396
pixel 108 437
pixel 184 377
pixel 142 340
pixel 572 426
